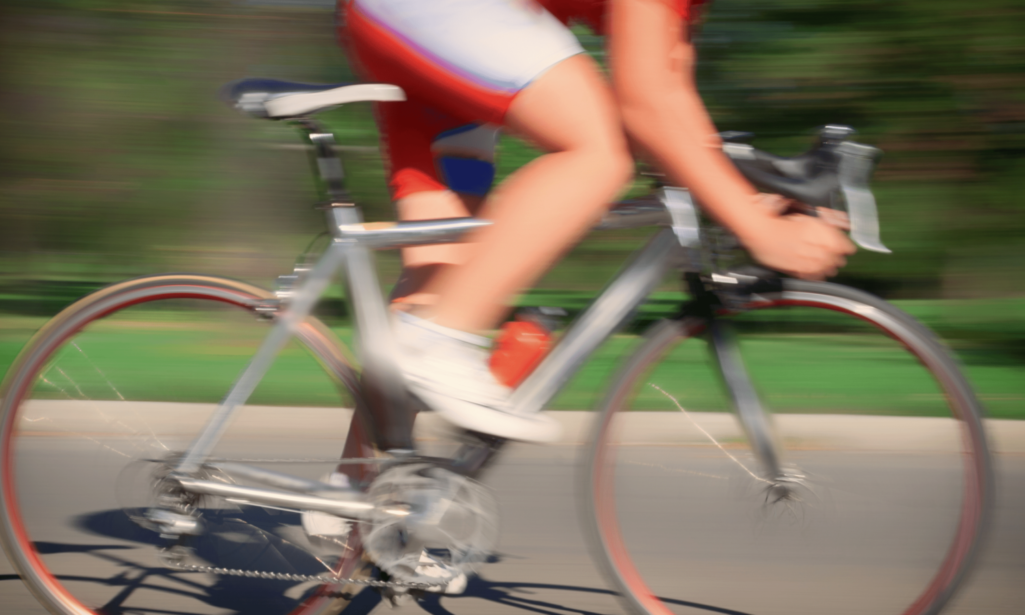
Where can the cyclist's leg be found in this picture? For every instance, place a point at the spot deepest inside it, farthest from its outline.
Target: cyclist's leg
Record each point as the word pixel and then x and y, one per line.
pixel 461 158
pixel 520 67
pixel 499 64
pixel 439 164
pixel 567 111
pixel 432 180
pixel 422 263
pixel 548 204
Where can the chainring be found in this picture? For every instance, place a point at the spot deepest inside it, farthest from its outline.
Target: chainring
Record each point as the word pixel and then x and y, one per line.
pixel 425 513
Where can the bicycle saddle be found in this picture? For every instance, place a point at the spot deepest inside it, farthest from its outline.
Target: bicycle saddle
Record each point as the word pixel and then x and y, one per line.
pixel 274 99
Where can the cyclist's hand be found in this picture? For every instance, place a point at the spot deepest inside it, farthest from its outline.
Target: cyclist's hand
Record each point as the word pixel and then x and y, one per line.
pixel 781 205
pixel 799 245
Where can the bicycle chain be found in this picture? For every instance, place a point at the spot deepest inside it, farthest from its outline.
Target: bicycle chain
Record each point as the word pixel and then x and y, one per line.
pixel 301 578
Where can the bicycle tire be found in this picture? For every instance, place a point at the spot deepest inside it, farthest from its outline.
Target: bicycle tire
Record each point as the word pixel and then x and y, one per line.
pixel 60 585
pixel 616 546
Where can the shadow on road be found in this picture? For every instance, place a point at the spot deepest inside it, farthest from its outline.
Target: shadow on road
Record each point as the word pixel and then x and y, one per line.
pixel 246 539
pixel 523 596
pixel 249 539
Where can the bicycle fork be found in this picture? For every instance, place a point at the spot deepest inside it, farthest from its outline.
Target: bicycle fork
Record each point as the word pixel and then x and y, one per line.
pixel 753 416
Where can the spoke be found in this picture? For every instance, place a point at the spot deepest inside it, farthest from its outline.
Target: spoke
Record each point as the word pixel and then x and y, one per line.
pixel 60 389
pixel 675 470
pixel 113 388
pixel 73 383
pixel 708 435
pixel 48 419
pixel 98 370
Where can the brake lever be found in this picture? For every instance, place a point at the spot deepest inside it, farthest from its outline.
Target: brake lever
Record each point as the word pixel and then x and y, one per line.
pixel 856 164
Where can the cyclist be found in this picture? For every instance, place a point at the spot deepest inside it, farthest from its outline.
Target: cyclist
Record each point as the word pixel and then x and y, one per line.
pixel 471 66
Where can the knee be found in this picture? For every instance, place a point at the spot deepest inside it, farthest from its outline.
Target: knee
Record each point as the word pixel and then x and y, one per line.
pixel 613 163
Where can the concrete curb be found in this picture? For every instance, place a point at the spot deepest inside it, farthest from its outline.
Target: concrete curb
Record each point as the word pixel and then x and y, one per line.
pixel 841 432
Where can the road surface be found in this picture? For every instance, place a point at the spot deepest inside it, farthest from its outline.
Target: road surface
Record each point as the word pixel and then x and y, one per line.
pixel 863 541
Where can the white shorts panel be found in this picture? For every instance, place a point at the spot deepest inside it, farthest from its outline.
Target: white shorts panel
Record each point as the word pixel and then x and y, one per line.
pixel 500 44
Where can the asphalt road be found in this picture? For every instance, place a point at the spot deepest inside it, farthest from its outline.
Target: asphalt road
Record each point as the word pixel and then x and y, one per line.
pixel 863 540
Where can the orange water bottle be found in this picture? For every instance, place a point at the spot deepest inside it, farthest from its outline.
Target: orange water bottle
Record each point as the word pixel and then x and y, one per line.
pixel 519 347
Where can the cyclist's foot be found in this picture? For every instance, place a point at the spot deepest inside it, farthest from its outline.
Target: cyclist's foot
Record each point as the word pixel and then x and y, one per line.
pixel 427 569
pixel 323 527
pixel 432 568
pixel 448 370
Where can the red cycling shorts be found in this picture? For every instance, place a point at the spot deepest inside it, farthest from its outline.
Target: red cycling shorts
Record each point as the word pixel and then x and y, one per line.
pixel 461 64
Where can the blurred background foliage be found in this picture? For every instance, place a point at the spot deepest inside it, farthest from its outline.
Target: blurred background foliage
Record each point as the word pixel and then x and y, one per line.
pixel 118 159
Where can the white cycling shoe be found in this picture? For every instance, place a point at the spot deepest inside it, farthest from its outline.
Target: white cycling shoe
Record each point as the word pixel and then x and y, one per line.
pixel 320 527
pixel 432 568
pixel 448 370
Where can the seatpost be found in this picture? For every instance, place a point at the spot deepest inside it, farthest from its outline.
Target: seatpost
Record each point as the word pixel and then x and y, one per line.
pixel 383 388
pixel 327 165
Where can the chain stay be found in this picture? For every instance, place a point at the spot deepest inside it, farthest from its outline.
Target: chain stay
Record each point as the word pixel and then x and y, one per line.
pixel 334 460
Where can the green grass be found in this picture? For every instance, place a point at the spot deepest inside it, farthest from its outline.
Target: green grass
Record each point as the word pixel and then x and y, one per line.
pixel 178 361
pixel 160 357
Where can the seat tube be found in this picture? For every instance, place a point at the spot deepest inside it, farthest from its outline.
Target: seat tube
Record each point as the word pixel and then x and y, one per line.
pixel 384 392
pixel 383 387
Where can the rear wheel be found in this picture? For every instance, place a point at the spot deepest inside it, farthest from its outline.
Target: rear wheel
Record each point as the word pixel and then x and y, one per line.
pixel 103 399
pixel 884 513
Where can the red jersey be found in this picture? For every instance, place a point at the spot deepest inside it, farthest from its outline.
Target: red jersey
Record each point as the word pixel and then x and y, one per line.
pixel 592 12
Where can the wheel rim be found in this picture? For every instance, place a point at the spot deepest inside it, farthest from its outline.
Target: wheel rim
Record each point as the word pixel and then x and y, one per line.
pixel 18 534
pixel 975 500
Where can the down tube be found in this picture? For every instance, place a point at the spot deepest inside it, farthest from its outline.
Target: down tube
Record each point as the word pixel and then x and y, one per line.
pixel 615 304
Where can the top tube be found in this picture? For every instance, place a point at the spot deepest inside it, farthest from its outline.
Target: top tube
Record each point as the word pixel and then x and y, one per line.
pixel 385 235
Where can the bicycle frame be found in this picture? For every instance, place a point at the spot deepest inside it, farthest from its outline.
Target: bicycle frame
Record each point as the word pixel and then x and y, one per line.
pixel 390 411
pixel 387 400
pixel 384 391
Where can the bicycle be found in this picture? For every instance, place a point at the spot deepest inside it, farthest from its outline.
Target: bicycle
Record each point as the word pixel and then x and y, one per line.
pixel 75 386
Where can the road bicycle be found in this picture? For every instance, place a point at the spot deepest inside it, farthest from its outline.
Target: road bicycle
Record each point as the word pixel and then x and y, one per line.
pixel 146 468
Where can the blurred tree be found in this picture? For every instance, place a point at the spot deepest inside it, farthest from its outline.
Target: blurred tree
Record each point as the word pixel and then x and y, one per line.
pixel 117 158
pixel 120 160
pixel 936 84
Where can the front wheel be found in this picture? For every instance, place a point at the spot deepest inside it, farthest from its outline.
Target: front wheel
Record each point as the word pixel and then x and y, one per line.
pixel 100 404
pixel 889 475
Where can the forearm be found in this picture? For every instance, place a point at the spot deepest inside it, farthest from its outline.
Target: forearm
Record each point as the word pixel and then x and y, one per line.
pixel 674 130
pixel 652 73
